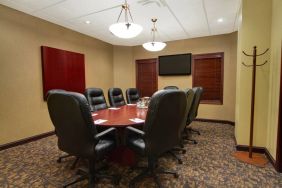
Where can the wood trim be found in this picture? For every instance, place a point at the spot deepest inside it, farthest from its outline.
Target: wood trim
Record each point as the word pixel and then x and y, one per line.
pixel 278 163
pixel 256 149
pixel 215 121
pixel 26 140
pixel 208 56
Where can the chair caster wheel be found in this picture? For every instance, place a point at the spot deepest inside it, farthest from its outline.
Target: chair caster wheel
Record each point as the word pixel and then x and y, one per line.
pixel 180 162
pixel 176 175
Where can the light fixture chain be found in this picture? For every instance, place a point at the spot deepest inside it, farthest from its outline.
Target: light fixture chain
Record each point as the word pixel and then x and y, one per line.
pixel 119 14
pixel 130 15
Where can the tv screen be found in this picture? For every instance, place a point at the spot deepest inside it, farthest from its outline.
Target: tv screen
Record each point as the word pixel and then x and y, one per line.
pixel 179 64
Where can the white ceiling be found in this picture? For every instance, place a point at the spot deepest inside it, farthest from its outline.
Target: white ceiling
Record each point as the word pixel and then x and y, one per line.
pixel 177 19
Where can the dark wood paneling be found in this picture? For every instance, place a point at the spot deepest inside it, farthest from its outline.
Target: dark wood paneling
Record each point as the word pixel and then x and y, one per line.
pixel 62 70
pixel 25 140
pixel 208 73
pixel 146 76
pixel 215 121
pixel 278 164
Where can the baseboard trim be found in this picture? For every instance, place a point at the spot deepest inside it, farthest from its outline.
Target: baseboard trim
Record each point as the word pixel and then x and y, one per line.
pixel 256 149
pixel 26 140
pixel 215 121
pixel 246 148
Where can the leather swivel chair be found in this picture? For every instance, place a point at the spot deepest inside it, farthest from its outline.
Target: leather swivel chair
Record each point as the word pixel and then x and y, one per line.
pixel 189 96
pixel 116 97
pixel 198 91
pixel 132 95
pixel 76 132
pixel 171 87
pixel 59 160
pixel 161 131
pixel 96 99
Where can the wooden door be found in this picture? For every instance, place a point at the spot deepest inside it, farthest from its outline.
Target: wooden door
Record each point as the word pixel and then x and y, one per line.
pixel 146 77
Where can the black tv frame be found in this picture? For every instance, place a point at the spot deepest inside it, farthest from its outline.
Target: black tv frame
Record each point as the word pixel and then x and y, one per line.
pixel 180 74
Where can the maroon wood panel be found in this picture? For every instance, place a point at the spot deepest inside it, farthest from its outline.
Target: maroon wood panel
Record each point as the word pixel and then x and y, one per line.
pixel 62 70
pixel 146 77
pixel 120 117
pixel 278 163
pixel 208 73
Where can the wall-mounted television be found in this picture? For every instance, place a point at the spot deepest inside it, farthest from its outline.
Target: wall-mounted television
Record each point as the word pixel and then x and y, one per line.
pixel 178 64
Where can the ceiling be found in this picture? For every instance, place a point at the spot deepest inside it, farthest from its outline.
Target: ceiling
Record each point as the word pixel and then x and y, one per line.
pixel 177 19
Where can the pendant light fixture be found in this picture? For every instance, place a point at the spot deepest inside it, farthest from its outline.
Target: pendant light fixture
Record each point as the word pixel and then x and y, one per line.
pixel 154 46
pixel 125 29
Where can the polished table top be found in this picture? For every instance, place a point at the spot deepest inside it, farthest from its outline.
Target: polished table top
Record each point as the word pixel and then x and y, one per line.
pixel 120 116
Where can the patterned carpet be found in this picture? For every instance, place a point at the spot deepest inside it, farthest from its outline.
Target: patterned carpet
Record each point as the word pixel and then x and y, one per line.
pixel 207 164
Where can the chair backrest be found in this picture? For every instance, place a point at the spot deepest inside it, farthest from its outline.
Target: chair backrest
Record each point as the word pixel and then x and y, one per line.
pixel 132 95
pixel 171 87
pixel 195 104
pixel 165 116
pixel 54 91
pixel 190 97
pixel 116 97
pixel 75 129
pixel 96 98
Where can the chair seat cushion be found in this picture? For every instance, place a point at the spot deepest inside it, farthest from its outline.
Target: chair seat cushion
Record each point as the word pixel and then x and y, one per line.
pixel 137 145
pixel 104 146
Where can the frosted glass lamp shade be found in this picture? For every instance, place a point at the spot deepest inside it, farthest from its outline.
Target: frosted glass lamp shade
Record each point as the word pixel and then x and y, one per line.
pixel 125 30
pixel 154 46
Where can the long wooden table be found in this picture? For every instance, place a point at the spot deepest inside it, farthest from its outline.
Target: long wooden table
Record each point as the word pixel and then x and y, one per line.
pixel 120 118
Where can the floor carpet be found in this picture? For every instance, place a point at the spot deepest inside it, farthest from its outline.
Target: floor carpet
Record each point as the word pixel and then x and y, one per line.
pixel 207 164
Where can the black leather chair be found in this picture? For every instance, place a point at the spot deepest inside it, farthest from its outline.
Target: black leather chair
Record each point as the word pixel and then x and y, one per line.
pixel 96 98
pixel 132 95
pixel 194 110
pixel 161 131
pixel 189 96
pixel 76 132
pixel 171 87
pixel 59 160
pixel 116 97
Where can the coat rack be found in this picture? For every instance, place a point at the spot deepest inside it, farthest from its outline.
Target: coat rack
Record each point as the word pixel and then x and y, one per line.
pixel 255 159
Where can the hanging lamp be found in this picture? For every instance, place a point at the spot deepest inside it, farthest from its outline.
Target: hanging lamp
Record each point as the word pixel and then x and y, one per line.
pixel 154 46
pixel 125 29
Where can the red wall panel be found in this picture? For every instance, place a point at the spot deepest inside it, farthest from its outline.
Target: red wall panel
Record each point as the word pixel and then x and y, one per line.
pixel 62 70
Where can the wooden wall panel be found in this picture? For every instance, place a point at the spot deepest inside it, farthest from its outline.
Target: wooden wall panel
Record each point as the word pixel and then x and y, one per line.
pixel 62 70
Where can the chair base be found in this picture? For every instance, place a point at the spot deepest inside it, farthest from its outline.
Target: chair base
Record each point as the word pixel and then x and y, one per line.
pixel 83 174
pixel 151 171
pixel 194 131
pixel 59 160
pixel 179 160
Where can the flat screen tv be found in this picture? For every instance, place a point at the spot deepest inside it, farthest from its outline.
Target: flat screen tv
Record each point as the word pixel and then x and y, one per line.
pixel 179 64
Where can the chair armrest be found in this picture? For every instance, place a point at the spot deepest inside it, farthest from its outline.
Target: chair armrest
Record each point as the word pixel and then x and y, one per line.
pixel 131 130
pixel 109 132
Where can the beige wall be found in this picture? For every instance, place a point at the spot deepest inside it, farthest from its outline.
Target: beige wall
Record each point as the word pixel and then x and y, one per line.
pixel 274 84
pixel 123 67
pixel 255 29
pixel 124 70
pixel 23 112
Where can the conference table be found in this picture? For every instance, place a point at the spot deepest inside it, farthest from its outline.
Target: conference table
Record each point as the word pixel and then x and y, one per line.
pixel 121 117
